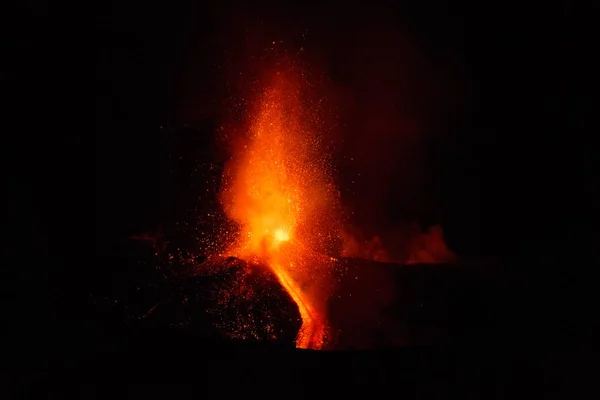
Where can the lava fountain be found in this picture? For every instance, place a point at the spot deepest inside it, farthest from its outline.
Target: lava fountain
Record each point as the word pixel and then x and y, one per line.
pixel 278 188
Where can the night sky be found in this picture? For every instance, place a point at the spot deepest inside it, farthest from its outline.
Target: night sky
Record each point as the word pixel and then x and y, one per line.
pixel 476 116
pixel 470 115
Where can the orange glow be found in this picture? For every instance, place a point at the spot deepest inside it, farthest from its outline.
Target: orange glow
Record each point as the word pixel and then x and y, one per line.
pixel 278 188
pixel 281 236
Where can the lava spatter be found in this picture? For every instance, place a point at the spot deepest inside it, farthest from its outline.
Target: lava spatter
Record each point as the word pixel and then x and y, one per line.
pixel 278 189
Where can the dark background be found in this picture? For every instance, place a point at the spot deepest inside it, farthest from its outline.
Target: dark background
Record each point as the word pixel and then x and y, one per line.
pixel 498 97
pixel 473 116
pixel 493 102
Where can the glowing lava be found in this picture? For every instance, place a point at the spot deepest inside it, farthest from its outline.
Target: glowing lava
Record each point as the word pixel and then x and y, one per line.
pixel 278 188
pixel 281 236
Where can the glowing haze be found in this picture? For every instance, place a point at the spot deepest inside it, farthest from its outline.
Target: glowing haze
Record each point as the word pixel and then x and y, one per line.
pixel 278 188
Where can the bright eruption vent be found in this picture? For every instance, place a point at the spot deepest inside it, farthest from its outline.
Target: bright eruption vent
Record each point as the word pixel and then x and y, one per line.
pixel 278 188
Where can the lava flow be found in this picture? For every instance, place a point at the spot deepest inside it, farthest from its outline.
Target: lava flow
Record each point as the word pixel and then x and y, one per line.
pixel 278 189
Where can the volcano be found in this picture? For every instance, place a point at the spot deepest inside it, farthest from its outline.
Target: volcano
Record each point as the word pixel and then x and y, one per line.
pixel 268 256
pixel 371 305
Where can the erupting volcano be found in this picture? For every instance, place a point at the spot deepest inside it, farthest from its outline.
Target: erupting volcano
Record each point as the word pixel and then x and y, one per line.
pixel 278 188
pixel 277 260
